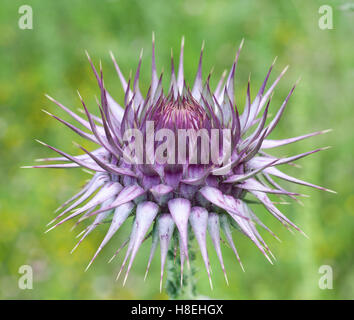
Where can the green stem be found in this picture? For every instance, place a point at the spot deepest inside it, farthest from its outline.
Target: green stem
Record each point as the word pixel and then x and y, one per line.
pixel 173 284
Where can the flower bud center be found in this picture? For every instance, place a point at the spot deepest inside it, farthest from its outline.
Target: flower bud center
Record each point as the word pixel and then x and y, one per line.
pixel 181 113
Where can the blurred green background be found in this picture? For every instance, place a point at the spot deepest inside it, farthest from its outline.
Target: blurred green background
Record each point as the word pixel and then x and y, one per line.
pixel 50 59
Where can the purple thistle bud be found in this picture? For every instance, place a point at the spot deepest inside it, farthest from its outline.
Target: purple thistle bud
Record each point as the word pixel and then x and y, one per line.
pixel 196 185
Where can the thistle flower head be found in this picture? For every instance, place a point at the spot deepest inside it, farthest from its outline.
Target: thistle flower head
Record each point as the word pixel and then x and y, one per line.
pixel 144 170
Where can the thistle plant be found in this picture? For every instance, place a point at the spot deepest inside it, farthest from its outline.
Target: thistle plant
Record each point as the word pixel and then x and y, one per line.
pixel 173 201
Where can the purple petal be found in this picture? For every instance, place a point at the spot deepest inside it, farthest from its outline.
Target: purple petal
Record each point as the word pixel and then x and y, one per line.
pixel 267 144
pixel 198 86
pixel 155 241
pixel 145 215
pixel 165 227
pixel 138 97
pixel 241 177
pixel 81 133
pixel 173 86
pixel 218 91
pixel 106 193
pixel 154 79
pixel 216 197
pixel 180 77
pixel 253 184
pixel 99 218
pixel 108 166
pixel 72 114
pixel 275 172
pixel 120 215
pixel 276 119
pixel 230 82
pixel 180 210
pixel 116 110
pixel 162 193
pixel 96 182
pixel 265 97
pixel 225 225
pixel 258 161
pixel 246 227
pixel 120 75
pixel 274 211
pixel 127 194
pixel 214 231
pixel 100 152
pixel 199 222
